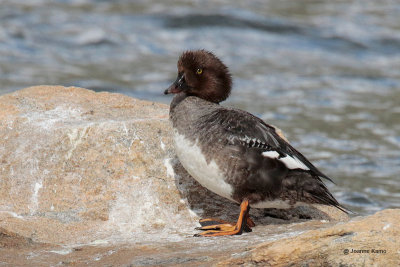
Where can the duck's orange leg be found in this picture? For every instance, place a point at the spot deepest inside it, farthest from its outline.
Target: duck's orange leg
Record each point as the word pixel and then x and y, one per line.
pixel 209 222
pixel 217 227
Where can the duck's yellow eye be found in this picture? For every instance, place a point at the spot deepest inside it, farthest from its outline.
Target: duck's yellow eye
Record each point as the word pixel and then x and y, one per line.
pixel 199 71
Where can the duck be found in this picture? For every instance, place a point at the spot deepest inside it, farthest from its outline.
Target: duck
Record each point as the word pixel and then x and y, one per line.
pixel 234 153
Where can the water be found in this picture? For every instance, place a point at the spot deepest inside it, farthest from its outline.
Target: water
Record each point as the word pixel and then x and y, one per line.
pixel 326 72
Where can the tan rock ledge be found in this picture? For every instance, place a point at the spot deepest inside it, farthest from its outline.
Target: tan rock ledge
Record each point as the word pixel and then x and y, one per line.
pixel 92 178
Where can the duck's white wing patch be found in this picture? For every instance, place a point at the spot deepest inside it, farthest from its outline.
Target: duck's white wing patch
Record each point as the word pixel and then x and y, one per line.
pixel 291 162
pixel 271 154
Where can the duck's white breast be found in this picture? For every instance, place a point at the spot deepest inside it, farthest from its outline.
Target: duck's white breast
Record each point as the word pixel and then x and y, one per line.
pixel 207 174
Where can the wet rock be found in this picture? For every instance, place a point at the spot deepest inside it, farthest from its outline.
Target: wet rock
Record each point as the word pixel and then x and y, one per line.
pixel 79 166
pixel 89 178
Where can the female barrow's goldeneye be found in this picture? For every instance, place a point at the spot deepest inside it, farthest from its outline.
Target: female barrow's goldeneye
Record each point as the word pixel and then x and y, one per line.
pixel 233 153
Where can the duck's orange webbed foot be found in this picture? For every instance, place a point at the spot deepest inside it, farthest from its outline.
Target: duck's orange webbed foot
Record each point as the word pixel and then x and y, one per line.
pixel 218 227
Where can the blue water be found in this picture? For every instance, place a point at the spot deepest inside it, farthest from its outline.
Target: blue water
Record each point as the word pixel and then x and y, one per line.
pixel 326 72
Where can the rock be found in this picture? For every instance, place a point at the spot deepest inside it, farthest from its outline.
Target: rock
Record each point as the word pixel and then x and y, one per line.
pixel 10 239
pixel 87 166
pixel 92 178
pixel 95 166
pixel 370 241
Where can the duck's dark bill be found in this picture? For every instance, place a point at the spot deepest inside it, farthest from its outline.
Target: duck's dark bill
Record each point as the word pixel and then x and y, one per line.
pixel 178 85
pixel 173 89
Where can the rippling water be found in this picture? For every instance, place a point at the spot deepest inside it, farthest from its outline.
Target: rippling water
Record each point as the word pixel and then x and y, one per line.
pixel 326 72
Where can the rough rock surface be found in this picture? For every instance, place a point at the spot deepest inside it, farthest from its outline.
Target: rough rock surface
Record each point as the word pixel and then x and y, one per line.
pixel 87 165
pixel 92 178
pixel 370 241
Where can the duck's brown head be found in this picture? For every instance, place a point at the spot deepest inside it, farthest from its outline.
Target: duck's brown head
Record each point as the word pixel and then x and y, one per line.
pixel 202 74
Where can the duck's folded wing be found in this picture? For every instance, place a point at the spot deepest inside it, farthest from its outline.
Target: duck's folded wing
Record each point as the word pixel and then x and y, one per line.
pixel 244 129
